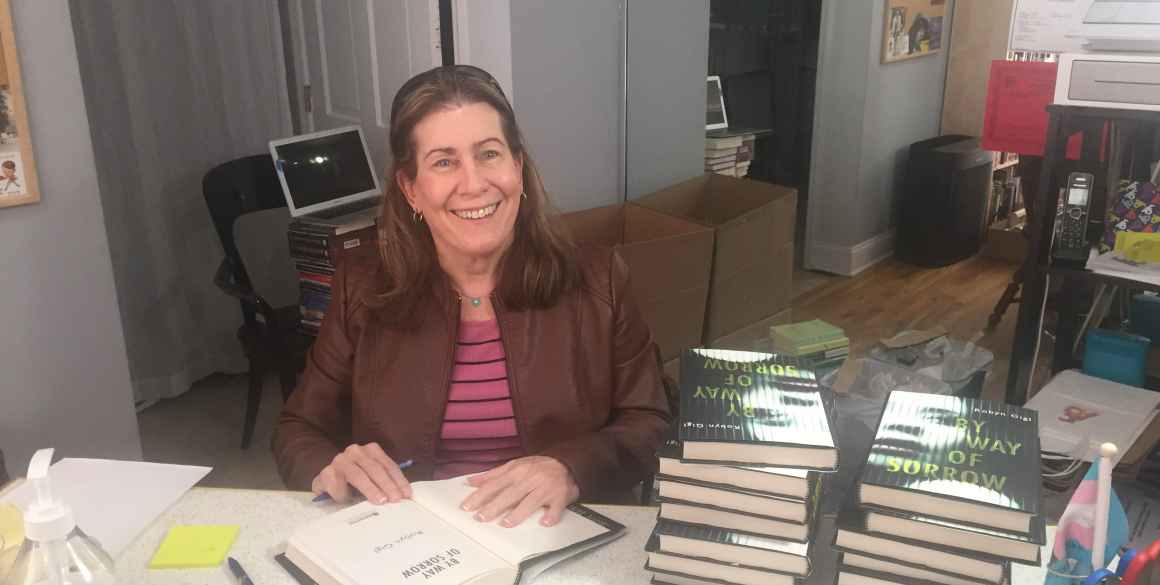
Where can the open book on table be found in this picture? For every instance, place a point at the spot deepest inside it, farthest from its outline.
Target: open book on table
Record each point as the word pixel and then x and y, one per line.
pixel 429 539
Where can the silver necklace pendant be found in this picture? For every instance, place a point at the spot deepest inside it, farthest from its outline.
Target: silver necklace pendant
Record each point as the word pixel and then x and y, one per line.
pixel 475 301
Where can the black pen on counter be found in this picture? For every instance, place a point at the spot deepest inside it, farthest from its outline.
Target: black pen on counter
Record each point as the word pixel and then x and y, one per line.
pixel 239 572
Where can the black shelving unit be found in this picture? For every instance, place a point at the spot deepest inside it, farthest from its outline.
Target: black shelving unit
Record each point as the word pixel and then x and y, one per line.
pixel 1063 122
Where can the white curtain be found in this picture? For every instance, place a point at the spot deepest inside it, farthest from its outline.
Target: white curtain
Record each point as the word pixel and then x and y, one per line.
pixel 173 88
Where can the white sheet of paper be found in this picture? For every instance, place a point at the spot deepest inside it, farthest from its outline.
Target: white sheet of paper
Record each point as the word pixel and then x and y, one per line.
pixel 1105 411
pixel 114 500
pixel 1048 25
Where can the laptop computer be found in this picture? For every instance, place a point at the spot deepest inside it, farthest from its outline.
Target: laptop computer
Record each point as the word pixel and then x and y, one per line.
pixel 327 177
pixel 716 119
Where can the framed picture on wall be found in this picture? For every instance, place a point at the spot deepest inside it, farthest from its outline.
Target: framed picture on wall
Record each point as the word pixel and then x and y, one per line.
pixel 913 28
pixel 18 184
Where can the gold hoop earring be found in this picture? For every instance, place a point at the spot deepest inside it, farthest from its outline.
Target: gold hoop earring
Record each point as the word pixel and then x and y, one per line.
pixel 524 195
pixel 416 216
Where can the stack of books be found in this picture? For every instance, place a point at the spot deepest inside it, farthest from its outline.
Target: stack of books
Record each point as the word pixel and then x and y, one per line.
pixel 824 345
pixel 949 495
pixel 745 155
pixel 315 249
pixel 721 155
pixel 738 485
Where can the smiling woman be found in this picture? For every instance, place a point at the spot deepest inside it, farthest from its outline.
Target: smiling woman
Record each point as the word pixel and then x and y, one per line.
pixel 479 340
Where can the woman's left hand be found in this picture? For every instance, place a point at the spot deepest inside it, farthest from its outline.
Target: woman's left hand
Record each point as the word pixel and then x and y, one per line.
pixel 519 487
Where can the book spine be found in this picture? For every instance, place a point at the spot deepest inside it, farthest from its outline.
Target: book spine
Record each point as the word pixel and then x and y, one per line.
pixel 305 265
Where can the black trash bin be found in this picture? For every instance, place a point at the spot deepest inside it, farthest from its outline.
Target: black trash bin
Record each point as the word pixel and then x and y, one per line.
pixel 943 206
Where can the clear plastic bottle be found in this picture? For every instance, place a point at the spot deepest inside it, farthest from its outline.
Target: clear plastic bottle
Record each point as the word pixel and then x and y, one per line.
pixel 55 550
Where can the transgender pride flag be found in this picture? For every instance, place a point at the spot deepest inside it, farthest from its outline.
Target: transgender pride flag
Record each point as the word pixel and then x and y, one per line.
pixel 1071 557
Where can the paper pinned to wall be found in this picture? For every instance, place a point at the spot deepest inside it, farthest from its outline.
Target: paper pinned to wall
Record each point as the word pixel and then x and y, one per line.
pixel 114 500
pixel 1048 25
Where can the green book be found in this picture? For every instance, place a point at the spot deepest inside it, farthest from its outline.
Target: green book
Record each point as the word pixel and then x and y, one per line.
pixel 807 337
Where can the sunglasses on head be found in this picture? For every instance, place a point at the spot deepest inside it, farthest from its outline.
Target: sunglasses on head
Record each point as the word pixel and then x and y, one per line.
pixel 468 71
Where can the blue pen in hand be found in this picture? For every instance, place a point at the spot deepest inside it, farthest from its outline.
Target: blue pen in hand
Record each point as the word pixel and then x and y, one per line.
pixel 325 497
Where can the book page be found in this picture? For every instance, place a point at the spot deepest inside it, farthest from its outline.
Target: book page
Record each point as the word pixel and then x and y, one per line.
pixel 396 544
pixel 513 545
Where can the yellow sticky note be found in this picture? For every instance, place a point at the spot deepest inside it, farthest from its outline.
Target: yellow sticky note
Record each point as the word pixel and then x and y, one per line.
pixel 194 547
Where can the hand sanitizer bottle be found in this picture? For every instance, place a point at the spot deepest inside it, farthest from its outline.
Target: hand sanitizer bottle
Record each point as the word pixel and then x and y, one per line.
pixel 55 550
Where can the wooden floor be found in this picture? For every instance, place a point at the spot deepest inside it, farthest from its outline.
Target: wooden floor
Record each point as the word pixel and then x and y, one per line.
pixel 893 296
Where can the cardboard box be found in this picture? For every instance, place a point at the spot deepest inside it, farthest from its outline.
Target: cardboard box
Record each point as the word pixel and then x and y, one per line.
pixel 747 338
pixel 668 260
pixel 752 275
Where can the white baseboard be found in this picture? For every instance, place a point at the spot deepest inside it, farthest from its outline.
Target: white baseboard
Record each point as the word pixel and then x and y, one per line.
pixel 851 260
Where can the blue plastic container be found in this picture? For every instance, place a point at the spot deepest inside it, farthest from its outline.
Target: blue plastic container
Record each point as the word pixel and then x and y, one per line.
pixel 1115 356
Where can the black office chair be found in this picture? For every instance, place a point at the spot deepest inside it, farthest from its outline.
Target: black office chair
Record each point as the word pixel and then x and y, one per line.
pixel 269 335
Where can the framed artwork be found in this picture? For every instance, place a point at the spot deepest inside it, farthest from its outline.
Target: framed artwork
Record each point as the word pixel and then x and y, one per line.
pixel 18 184
pixel 913 28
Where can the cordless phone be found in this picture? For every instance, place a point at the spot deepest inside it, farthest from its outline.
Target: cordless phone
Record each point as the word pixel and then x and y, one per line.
pixel 1071 243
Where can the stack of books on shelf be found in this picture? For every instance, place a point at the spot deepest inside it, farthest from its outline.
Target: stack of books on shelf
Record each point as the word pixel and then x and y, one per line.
pixel 729 156
pixel 949 495
pixel 745 155
pixel 315 249
pixel 824 345
pixel 739 484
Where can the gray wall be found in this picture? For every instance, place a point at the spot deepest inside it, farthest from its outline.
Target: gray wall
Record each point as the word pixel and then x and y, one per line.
pixel 668 48
pixel 566 77
pixel 866 116
pixel 486 28
pixel 62 351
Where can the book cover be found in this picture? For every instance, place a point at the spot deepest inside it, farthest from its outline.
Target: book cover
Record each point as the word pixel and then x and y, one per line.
pixel 807 337
pixel 853 535
pixel 732 157
pixel 828 354
pixel 687 570
pixel 720 165
pixel 893 566
pixel 783 481
pixel 721 143
pixel 779 556
pixel 754 399
pixel 961 538
pixel 735 498
pixel 849 575
pixel 979 452
pixel 972 538
pixel 737 520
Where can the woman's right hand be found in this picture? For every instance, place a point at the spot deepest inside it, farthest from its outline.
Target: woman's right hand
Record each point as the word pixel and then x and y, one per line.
pixel 366 468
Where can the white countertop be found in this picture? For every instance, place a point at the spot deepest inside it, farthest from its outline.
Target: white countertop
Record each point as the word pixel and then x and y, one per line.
pixel 268 517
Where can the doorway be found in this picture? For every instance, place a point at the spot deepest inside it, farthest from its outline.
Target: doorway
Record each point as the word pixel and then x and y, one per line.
pixel 350 57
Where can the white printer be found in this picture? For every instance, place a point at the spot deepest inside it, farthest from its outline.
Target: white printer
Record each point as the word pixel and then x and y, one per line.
pixel 1121 65
pixel 1109 80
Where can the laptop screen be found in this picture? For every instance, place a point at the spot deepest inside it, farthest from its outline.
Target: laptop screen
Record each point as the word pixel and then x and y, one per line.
pixel 714 105
pixel 325 168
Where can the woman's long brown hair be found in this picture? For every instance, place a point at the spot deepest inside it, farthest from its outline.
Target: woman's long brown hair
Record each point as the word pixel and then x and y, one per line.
pixel 538 267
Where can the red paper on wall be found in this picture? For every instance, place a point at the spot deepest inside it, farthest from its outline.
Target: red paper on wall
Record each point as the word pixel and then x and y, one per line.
pixel 1018 93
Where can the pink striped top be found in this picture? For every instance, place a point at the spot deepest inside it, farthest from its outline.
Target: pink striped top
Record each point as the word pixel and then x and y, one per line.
pixel 479 426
